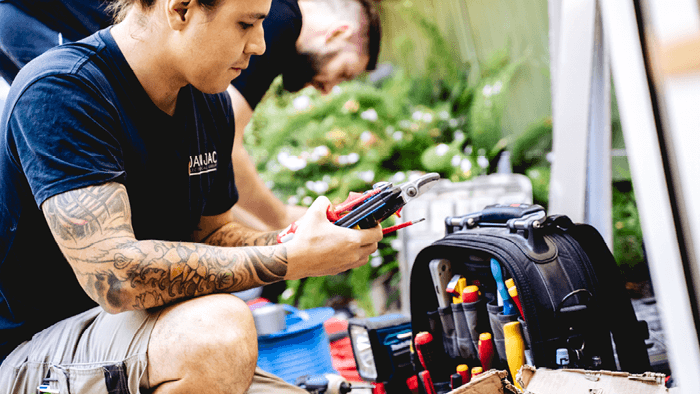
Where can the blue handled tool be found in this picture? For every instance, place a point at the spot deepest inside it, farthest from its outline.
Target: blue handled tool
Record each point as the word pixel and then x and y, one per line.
pixel 508 305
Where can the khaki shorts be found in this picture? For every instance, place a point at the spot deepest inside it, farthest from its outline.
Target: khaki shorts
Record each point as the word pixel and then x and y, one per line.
pixel 96 353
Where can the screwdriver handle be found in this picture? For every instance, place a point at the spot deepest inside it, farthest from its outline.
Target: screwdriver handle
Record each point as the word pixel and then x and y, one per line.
pixel 486 351
pixel 515 348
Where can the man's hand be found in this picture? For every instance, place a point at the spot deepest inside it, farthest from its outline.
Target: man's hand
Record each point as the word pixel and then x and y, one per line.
pixel 320 248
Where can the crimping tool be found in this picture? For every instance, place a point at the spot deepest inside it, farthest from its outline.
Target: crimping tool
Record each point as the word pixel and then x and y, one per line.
pixel 366 210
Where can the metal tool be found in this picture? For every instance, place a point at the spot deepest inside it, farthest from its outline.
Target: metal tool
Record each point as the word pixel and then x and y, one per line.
pixel 329 384
pixel 368 209
pixel 389 200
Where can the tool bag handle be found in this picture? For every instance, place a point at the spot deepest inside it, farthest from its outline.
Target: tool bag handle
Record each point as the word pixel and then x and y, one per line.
pixel 497 216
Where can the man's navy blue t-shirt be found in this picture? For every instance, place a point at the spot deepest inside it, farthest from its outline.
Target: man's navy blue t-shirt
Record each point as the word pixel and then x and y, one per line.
pixel 75 19
pixel 78 116
pixel 282 28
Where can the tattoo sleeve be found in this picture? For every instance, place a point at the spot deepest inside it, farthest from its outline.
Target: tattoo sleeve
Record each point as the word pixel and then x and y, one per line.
pixel 92 226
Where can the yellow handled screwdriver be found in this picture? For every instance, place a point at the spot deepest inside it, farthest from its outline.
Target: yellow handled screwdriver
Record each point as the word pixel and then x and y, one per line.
pixel 515 348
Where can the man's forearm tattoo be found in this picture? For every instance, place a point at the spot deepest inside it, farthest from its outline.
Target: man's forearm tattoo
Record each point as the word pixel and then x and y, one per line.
pixel 93 228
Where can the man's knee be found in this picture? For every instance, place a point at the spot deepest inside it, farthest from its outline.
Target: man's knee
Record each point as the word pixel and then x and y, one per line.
pixel 210 340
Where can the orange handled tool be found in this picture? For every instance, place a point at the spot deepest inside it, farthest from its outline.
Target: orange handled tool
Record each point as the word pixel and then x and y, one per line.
pixel 486 350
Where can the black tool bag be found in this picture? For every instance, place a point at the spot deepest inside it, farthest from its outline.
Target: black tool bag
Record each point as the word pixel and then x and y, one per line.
pixel 569 285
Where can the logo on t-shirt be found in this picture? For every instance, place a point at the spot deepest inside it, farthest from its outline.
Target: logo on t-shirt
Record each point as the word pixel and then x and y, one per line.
pixel 202 163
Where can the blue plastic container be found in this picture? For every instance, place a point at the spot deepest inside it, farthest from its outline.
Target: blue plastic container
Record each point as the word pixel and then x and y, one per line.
pixel 301 349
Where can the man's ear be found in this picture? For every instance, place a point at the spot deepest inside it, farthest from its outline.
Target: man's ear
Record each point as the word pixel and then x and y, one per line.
pixel 178 13
pixel 342 30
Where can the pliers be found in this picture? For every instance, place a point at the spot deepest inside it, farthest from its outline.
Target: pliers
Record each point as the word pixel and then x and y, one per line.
pixel 368 209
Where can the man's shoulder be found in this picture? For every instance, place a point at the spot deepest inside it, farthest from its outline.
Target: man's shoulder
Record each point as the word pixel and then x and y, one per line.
pixel 67 59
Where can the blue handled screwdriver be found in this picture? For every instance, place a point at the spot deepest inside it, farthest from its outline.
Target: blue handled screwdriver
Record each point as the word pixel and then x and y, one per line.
pixel 508 305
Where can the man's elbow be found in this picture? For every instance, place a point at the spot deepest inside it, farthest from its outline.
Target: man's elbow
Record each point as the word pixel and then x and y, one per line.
pixel 116 300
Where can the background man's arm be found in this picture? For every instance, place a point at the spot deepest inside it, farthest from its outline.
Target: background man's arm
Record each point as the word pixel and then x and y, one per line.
pixel 254 196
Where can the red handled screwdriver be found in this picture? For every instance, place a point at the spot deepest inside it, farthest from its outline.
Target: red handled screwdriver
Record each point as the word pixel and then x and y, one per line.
pixel 424 348
pixel 427 382
pixel 391 229
pixel 486 350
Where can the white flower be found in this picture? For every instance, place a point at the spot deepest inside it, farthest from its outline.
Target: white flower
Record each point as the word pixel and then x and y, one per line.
pixel 465 165
pixel 487 91
pixel 370 115
pixel 453 123
pixel 293 163
pixel 456 160
pixel 396 244
pixel 397 136
pixel 441 149
pixel 366 176
pixel 468 150
pixel 497 87
pixel 482 161
pixel 398 177
pixel 353 158
pixel 427 117
pixel 301 103
pixel 418 115
pixel 459 135
pixel 308 200
pixel 376 261
pixel 444 115
pixel 336 89
pixel 287 294
pixel 319 152
pixel 342 160
pixel 366 136
pixel 389 130
pixel 535 174
pixel 318 187
pixel 293 200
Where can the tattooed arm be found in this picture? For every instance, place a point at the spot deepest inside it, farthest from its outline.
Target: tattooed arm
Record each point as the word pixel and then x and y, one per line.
pixel 92 226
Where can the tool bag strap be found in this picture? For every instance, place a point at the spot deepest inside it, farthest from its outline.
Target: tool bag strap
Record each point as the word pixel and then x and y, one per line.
pixel 628 332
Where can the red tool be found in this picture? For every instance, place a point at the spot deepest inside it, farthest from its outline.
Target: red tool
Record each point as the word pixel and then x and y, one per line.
pixel 424 348
pixel 486 350
pixel 412 384
pixel 333 214
pixel 400 226
pixel 427 382
pixel 477 371
pixel 513 291
pixel 463 369
pixel 470 294
pixel 368 209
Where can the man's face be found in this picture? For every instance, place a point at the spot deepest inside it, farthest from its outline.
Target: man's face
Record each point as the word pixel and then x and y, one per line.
pixel 323 71
pixel 216 45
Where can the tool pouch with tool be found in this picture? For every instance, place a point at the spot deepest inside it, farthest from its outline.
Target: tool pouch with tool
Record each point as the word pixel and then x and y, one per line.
pixel 570 290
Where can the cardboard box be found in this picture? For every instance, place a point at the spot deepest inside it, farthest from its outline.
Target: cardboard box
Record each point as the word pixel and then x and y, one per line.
pixel 579 381
pixel 566 381
pixel 489 382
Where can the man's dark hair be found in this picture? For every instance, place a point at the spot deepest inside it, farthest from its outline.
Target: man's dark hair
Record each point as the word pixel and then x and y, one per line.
pixel 119 8
pixel 374 31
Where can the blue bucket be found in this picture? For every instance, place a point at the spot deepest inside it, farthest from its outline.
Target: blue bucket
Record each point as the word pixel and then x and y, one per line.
pixel 301 349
